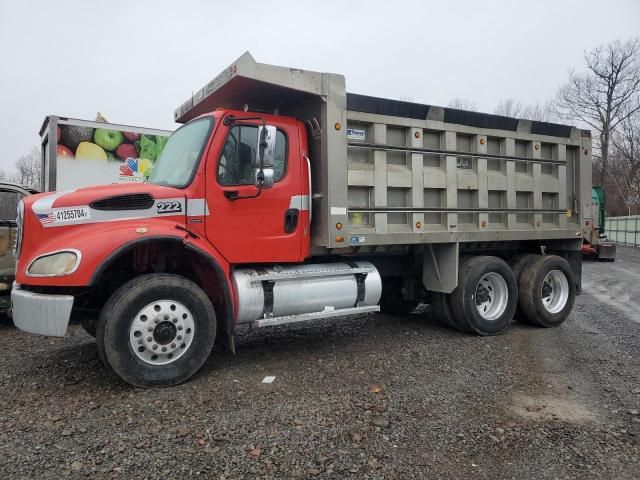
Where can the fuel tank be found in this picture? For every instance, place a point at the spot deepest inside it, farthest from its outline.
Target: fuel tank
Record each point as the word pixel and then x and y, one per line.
pixel 282 290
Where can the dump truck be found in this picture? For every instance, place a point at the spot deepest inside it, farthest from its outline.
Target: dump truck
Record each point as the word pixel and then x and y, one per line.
pixel 595 243
pixel 78 153
pixel 282 198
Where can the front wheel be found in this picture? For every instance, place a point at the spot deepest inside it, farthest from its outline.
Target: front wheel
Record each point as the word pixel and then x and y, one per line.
pixel 156 330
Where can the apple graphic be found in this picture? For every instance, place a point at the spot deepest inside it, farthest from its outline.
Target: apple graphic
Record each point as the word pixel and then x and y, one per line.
pixel 126 150
pixel 62 151
pixel 90 151
pixel 108 139
pixel 131 136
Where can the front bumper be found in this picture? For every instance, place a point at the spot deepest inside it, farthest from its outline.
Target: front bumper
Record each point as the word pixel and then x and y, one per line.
pixel 39 313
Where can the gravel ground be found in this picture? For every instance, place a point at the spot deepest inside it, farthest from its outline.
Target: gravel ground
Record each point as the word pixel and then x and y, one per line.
pixel 371 397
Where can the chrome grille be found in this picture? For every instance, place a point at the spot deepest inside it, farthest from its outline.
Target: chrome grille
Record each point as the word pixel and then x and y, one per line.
pixel 19 230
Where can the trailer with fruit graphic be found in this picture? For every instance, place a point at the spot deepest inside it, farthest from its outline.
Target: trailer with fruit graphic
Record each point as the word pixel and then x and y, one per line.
pixel 78 153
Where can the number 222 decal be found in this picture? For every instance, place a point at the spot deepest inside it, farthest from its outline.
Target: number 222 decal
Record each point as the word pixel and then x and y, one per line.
pixel 169 207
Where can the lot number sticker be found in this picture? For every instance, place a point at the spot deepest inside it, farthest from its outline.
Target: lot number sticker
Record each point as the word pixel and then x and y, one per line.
pixel 67 215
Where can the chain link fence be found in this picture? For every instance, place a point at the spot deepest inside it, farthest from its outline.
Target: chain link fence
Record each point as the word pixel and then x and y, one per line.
pixel 623 230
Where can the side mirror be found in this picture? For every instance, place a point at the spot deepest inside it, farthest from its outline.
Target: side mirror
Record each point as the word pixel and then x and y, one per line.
pixel 266 146
pixel 264 177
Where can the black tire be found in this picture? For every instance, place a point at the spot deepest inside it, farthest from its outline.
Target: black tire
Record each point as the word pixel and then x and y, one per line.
pixel 89 325
pixel 392 301
pixel 518 264
pixel 122 308
pixel 442 311
pixel 532 295
pixel 463 299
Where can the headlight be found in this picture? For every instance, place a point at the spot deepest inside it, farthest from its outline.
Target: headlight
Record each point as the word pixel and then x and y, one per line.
pixel 55 264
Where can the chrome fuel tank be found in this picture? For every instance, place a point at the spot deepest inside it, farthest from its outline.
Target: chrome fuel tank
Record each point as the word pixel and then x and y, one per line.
pixel 282 290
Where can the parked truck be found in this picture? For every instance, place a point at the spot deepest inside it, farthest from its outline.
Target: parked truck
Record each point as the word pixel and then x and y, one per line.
pixel 596 244
pixel 283 198
pixel 10 195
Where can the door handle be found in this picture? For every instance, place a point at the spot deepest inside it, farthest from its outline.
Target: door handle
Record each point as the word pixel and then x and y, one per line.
pixel 231 194
pixel 291 220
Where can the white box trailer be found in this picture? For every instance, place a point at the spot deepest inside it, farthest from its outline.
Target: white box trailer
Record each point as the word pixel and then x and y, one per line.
pixel 78 153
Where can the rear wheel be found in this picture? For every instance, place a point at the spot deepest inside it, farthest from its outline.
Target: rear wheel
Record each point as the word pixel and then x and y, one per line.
pixel 442 311
pixel 156 330
pixel 89 325
pixel 486 297
pixel 518 264
pixel 547 291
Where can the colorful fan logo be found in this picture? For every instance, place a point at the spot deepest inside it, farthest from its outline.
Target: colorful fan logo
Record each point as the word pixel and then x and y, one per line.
pixel 135 169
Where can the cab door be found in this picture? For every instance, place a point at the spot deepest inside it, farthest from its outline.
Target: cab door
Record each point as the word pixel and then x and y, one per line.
pixel 246 223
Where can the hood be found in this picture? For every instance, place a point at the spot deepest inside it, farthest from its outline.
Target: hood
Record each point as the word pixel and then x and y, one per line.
pixel 106 203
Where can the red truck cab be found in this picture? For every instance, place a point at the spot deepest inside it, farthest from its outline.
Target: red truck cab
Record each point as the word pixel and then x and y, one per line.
pixel 230 188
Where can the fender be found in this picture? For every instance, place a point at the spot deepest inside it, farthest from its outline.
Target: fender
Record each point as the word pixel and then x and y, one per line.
pixel 215 261
pixel 111 257
pixel 95 244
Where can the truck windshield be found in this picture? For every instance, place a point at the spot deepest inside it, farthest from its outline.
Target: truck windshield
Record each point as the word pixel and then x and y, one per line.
pixel 180 156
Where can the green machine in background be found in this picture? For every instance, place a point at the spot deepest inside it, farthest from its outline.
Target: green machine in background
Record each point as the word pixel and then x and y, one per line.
pixel 597 199
pixel 597 245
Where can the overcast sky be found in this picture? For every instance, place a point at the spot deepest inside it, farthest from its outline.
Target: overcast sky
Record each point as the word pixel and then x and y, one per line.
pixel 136 61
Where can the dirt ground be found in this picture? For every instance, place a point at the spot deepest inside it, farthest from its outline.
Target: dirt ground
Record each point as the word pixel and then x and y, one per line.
pixel 370 397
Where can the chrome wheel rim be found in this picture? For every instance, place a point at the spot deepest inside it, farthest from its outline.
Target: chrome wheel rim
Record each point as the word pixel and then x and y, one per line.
pixel 161 332
pixel 555 291
pixel 492 296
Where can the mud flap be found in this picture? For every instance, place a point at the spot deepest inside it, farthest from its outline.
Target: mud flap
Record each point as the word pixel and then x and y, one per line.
pixel 440 267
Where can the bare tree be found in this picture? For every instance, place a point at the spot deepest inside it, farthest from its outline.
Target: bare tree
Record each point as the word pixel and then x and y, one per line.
pixel 509 108
pixel 28 169
pixel 606 94
pixel 542 112
pixel 624 163
pixel 463 104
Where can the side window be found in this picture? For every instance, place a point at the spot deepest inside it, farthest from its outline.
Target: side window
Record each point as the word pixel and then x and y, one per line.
pixel 280 160
pixel 237 163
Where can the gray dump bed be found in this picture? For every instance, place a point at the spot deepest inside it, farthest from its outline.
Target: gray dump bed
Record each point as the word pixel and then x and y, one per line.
pixel 399 173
